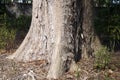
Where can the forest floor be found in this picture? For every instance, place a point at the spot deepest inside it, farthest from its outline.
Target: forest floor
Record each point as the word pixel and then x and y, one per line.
pixel 12 70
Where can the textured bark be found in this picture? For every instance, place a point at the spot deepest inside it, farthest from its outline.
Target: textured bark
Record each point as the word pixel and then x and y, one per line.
pixel 90 41
pixel 56 34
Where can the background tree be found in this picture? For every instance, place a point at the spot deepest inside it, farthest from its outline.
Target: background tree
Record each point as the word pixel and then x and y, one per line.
pixel 61 33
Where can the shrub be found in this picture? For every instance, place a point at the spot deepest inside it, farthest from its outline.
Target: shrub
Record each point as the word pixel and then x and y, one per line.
pixel 102 58
pixel 6 37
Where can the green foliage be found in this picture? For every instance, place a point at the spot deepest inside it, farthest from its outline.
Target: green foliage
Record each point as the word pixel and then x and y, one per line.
pixel 23 22
pixel 107 26
pixel 6 37
pixel 102 58
pixel 20 23
pixel 114 30
pixel 107 76
pixel 12 28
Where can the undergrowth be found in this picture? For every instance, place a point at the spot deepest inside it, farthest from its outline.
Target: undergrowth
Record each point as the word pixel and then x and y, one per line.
pixel 7 37
pixel 102 58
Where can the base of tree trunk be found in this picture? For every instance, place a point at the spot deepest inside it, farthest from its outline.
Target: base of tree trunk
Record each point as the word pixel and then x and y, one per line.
pixel 60 33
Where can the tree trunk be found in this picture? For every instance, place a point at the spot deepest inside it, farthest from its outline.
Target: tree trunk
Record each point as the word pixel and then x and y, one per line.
pixel 90 41
pixel 87 28
pixel 57 34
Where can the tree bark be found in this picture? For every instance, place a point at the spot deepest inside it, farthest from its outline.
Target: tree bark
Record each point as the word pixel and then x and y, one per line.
pixel 90 41
pixel 87 28
pixel 58 32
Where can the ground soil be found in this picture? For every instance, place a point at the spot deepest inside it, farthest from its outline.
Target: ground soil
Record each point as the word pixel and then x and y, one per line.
pixel 35 70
